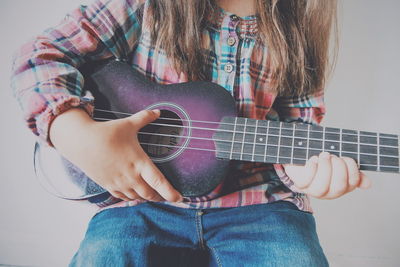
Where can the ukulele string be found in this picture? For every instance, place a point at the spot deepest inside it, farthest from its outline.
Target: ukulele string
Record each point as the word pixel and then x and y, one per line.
pixel 248 143
pixel 238 132
pixel 249 154
pixel 233 124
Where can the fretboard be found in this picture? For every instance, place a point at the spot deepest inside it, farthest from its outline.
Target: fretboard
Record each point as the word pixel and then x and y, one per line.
pixel 281 142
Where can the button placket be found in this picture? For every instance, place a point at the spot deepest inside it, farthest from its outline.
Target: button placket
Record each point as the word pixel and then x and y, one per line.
pixel 230 45
pixel 231 41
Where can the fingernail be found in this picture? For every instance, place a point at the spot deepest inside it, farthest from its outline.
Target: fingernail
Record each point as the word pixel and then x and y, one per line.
pixel 324 155
pixel 156 111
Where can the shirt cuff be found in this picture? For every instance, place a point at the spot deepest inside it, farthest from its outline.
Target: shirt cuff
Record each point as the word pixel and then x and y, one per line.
pixel 280 171
pixel 62 104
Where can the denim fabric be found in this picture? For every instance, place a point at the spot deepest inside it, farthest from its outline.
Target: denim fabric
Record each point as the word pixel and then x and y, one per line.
pixel 156 234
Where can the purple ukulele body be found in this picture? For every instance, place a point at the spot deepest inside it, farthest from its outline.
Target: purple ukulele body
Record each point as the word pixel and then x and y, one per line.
pixel 186 111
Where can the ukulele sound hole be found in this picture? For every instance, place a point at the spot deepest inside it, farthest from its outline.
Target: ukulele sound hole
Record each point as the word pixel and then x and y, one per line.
pixel 162 138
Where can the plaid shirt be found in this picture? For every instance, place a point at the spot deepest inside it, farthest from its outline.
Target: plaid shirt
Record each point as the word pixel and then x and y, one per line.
pixel 46 82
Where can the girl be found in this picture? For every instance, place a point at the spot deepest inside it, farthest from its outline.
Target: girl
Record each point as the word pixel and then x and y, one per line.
pixel 272 56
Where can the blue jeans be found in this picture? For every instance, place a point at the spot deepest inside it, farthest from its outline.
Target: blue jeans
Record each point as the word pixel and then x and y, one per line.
pixel 156 234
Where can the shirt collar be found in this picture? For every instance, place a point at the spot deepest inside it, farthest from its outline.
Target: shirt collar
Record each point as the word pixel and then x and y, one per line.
pixel 246 26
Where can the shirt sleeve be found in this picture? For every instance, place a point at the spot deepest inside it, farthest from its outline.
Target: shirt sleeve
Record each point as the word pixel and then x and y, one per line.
pixel 45 76
pixel 306 109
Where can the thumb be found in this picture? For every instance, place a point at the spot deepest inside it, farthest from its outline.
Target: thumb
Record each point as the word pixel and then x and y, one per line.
pixel 302 176
pixel 144 117
pixel 365 182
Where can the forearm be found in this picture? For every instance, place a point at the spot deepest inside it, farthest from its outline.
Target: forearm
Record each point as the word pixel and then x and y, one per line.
pixel 68 128
pixel 46 78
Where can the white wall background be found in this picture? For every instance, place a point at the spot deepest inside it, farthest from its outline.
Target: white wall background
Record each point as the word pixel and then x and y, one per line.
pixel 360 229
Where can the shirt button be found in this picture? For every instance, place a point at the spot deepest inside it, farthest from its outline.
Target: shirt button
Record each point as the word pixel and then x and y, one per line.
pixel 228 68
pixel 231 41
pixel 234 18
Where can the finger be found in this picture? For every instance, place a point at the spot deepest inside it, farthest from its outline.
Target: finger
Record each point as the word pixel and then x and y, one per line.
pixel 119 195
pixel 365 181
pixel 131 194
pixel 144 117
pixel 140 186
pixel 339 178
pixel 302 176
pixel 353 173
pixel 156 180
pixel 320 184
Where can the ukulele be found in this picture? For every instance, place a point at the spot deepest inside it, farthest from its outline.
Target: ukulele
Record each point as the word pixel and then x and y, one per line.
pixel 198 133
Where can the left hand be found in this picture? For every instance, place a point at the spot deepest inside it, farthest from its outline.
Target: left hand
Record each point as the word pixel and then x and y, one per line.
pixel 327 176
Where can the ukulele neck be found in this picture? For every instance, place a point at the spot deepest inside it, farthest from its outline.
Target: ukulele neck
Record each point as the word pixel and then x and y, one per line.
pixel 281 142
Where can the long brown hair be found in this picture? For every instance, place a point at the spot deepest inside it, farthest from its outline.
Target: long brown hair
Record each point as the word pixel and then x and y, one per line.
pixel 296 32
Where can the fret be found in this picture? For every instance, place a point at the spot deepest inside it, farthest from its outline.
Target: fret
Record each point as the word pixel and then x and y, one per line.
pixel 350 155
pixel 368 162
pixel 243 140
pixel 315 148
pixel 317 135
pixel 368 144
pixel 378 150
pixel 349 136
pixel 249 140
pixel 315 140
pixel 261 140
pixel 349 147
pixel 273 142
pixel 365 140
pixel 279 141
pixel 254 141
pixel 285 143
pixel 388 151
pixel 388 141
pixel 366 149
pixel 323 139
pixel 291 158
pixel 316 128
pixel 340 144
pixel 388 169
pixel 332 147
pixel 332 141
pixel 365 133
pixel 233 139
pixel 389 161
pixel 238 136
pixel 266 142
pixel 300 143
pixel 331 130
pixel 249 136
pixel 358 148
pixel 287 132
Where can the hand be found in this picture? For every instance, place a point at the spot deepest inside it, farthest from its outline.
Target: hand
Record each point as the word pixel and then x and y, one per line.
pixel 327 176
pixel 110 154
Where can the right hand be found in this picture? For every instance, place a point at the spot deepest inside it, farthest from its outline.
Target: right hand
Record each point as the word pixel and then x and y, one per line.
pixel 110 154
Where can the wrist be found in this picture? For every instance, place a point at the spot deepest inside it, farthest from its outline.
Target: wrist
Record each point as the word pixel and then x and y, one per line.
pixel 70 124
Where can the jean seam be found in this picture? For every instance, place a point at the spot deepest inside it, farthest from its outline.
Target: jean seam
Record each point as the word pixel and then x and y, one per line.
pixel 199 229
pixel 214 251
